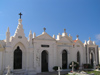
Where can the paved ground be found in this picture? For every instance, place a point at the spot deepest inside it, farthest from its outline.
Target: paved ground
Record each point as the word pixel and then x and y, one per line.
pixel 56 73
pixel 53 73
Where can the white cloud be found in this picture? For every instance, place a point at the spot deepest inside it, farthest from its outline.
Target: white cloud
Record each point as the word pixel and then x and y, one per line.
pixel 98 37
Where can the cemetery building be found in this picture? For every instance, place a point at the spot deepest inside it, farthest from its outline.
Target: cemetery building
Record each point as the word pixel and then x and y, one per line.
pixel 41 53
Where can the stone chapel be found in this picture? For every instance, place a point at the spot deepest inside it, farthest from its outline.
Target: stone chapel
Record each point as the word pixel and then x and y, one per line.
pixel 41 53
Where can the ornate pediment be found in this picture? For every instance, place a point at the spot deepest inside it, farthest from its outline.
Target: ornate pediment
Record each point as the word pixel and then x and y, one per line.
pixel 65 40
pixel 45 36
pixel 78 42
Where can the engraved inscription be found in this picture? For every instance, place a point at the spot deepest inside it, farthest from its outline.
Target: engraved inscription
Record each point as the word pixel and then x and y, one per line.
pixel 44 45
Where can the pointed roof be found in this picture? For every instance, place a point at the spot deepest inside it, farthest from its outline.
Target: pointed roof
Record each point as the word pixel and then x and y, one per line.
pixel 78 41
pixel 19 30
pixel 65 39
pixel 8 29
pixel 30 32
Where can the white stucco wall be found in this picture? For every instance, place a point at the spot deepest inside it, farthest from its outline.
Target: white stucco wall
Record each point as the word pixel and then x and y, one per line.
pixel 51 50
pixel 1 60
pixel 99 55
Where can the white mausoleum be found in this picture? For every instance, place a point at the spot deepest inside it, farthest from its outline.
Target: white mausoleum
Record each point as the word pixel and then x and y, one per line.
pixel 41 53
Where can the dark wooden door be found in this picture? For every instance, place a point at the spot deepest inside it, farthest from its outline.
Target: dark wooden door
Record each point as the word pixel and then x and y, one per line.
pixel 92 59
pixel 18 59
pixel 64 59
pixel 78 57
pixel 44 62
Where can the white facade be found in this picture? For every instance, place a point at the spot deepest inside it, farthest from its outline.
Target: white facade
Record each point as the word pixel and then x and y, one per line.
pixel 43 49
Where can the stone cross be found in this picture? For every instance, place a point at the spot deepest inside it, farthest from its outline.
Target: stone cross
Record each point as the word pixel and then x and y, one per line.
pixel 44 29
pixel 65 30
pixel 58 70
pixel 94 64
pixel 8 70
pixel 72 66
pixel 20 14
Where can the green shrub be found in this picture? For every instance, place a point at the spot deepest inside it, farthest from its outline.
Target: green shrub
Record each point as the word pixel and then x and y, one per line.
pixel 75 67
pixel 56 68
pixel 87 66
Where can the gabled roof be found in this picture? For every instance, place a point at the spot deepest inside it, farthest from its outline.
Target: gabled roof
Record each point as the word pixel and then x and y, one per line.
pixel 65 39
pixel 19 31
pixel 75 41
pixel 78 41
pixel 44 36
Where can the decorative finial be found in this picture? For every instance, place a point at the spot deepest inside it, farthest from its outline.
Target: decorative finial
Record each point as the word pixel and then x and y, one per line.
pixel 85 43
pixel 77 36
pixel 20 14
pixel 89 38
pixel 94 42
pixel 54 36
pixel 30 32
pixel 65 30
pixel 44 29
pixel 34 35
pixel 8 29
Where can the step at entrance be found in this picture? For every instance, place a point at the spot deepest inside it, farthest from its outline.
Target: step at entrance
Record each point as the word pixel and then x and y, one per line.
pixel 19 72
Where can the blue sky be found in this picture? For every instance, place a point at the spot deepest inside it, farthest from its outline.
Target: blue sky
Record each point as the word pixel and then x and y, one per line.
pixel 79 17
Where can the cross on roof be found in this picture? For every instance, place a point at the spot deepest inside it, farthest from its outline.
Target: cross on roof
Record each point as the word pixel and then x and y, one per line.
pixel 64 30
pixel 72 66
pixel 44 29
pixel 20 14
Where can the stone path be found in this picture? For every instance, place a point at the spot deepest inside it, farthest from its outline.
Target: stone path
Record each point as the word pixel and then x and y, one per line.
pixel 53 73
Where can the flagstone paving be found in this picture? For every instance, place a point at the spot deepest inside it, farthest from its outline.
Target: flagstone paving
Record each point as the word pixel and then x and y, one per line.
pixel 53 73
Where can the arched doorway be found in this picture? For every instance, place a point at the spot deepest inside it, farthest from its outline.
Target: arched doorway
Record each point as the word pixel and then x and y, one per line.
pixel 18 58
pixel 44 61
pixel 78 57
pixel 64 59
pixel 91 58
